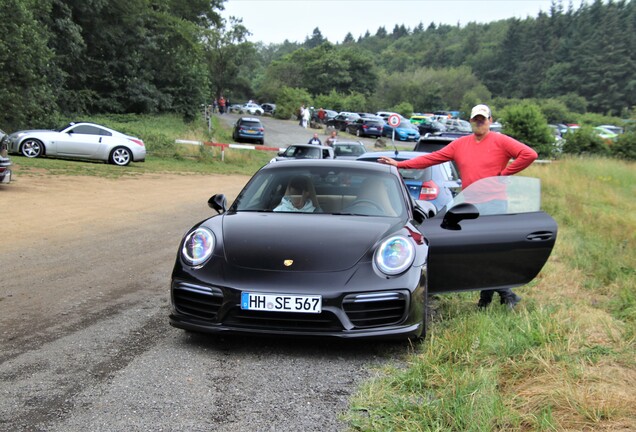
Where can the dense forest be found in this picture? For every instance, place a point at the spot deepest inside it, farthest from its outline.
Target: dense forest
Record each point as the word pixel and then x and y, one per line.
pixel 156 56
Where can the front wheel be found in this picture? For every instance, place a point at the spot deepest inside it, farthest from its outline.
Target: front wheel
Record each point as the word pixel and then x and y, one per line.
pixel 32 148
pixel 120 156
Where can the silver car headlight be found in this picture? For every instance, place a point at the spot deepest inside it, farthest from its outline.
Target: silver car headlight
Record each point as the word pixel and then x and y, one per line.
pixel 198 246
pixel 394 255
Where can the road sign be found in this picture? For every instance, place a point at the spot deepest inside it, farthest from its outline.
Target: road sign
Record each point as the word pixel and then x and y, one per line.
pixel 394 120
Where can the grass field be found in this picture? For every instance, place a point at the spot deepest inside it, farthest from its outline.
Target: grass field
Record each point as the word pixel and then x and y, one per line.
pixel 565 359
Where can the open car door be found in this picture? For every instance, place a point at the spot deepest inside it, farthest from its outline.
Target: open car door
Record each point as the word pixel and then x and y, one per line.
pixel 493 235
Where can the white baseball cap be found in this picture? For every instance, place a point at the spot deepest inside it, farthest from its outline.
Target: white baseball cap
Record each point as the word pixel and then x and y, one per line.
pixel 481 110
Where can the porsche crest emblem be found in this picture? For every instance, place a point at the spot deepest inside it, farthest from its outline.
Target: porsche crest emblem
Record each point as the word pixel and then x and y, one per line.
pixel 288 262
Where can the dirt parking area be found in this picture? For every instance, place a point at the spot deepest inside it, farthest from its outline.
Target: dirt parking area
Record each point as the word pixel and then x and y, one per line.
pixel 62 232
pixel 53 208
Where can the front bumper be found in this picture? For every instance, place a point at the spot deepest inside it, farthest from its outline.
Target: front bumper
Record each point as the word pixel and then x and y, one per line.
pixel 393 313
pixel 5 171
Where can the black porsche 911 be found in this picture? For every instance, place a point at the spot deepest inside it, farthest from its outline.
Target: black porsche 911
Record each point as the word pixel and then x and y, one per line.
pixel 339 248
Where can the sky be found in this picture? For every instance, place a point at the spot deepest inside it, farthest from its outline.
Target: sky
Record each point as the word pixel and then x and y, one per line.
pixel 273 21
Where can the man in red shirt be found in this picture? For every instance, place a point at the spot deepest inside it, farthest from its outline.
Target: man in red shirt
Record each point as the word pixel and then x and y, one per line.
pixel 479 155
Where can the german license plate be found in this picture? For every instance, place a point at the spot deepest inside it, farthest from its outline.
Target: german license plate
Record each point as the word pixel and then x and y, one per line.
pixel 281 303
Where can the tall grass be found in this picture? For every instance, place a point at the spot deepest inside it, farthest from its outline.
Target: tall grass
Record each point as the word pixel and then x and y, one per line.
pixel 565 359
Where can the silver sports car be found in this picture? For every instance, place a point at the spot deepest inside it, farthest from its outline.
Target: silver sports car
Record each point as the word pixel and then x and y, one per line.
pixel 80 141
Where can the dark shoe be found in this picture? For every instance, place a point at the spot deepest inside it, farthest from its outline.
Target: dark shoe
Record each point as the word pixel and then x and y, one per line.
pixel 510 300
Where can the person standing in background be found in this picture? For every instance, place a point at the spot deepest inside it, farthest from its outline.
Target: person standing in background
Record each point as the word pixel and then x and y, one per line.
pixel 315 140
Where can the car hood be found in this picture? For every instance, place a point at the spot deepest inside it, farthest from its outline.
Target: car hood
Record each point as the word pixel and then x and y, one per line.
pixel 314 242
pixel 31 131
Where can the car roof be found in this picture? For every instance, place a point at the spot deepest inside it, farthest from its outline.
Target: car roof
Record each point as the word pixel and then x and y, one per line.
pixel 336 163
pixel 309 145
pixel 80 123
pixel 348 143
pixel 434 141
pixel 249 119
pixel 402 155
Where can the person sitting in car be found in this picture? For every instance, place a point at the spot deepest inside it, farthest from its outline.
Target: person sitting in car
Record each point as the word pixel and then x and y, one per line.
pixel 300 196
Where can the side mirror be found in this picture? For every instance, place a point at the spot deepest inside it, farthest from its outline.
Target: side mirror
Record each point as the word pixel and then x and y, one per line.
pixel 218 202
pixel 456 214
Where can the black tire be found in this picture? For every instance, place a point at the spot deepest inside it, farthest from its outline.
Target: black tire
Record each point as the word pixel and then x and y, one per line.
pixel 120 156
pixel 32 148
pixel 358 134
pixel 425 320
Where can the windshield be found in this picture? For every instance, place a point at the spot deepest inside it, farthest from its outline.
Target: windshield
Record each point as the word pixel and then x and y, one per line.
pixel 251 124
pixel 304 152
pixel 502 195
pixel 456 125
pixel 326 190
pixel 349 149
pixel 415 174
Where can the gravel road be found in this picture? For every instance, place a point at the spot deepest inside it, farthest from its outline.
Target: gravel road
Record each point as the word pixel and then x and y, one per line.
pixel 85 343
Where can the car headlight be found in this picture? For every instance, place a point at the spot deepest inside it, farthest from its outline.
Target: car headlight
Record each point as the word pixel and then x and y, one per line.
pixel 198 246
pixel 394 255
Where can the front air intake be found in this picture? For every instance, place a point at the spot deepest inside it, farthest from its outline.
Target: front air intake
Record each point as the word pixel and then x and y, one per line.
pixel 376 309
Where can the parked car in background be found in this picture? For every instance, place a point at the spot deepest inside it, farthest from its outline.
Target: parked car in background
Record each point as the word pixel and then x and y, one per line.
pixel 385 114
pixel 427 125
pixel 251 109
pixel 5 162
pixel 80 140
pixel 615 129
pixel 605 134
pixel 329 114
pixel 369 115
pixel 360 261
pixel 250 129
pixel 234 108
pixel 431 143
pixel 437 184
pixel 305 151
pixel 555 130
pixel 406 131
pixel 269 108
pixel 342 120
pixel 455 127
pixel 562 128
pixel 558 138
pixel 496 126
pixel 348 149
pixel 363 127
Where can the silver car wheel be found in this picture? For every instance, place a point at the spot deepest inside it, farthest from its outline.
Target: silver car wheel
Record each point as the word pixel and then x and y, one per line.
pixel 120 156
pixel 32 148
